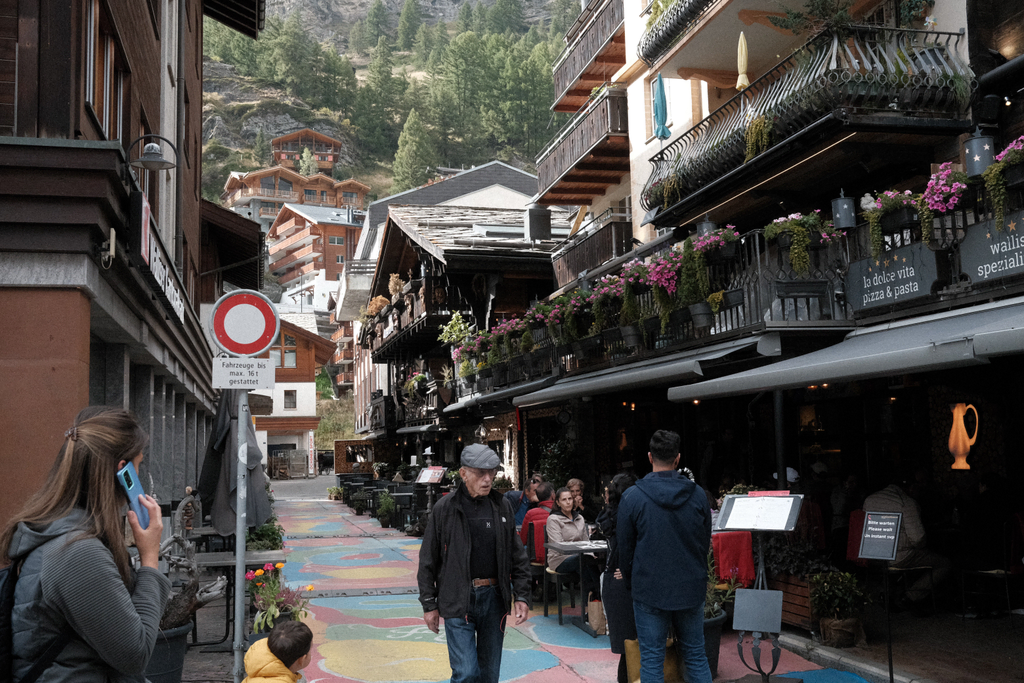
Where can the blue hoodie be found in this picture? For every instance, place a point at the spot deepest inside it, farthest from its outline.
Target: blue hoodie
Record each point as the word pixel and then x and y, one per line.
pixel 664 533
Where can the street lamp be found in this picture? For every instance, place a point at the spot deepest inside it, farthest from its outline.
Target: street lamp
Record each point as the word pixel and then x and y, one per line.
pixel 152 158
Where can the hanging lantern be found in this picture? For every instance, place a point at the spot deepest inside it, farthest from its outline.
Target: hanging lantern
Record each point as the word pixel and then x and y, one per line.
pixel 979 153
pixel 706 226
pixel 844 216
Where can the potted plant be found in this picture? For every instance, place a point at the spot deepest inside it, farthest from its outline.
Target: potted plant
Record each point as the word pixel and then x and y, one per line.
pixel 838 601
pixel 793 233
pixel 386 509
pixel 502 484
pixel 663 275
pixel 788 562
pixel 941 196
pixel 695 286
pixel 1007 172
pixel 272 599
pixel 718 596
pixel 892 212
pixel 717 246
pixel 395 286
pixel 334 493
pixel 415 384
pixel 455 331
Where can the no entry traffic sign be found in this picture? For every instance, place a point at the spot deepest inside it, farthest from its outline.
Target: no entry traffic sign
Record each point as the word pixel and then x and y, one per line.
pixel 244 323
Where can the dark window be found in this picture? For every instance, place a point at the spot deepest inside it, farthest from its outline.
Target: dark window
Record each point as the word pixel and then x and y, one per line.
pixel 289 399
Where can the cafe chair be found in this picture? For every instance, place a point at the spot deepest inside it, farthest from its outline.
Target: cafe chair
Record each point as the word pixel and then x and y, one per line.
pixel 536 568
pixel 552 576
pixel 1013 532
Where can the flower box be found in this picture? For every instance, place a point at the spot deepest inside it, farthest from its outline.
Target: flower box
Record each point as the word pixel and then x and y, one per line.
pixel 587 347
pixel 500 376
pixel 1014 177
pixel 796 600
pixel 724 254
pixel 784 240
pixel 701 315
pixel 897 221
pixel 485 371
pixel 731 298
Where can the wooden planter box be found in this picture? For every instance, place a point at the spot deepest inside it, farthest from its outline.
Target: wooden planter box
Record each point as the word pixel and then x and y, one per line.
pixel 796 600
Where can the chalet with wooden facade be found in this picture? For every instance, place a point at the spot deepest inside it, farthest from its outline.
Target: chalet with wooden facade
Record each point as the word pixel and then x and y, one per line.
pixel 481 263
pixel 288 149
pixel 818 303
pixel 286 435
pixel 107 269
pixel 260 195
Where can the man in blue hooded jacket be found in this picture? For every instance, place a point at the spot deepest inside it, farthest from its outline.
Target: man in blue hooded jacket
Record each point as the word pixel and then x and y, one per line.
pixel 664 533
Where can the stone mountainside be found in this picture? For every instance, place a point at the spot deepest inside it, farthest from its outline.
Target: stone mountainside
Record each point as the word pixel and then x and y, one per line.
pixel 235 109
pixel 330 20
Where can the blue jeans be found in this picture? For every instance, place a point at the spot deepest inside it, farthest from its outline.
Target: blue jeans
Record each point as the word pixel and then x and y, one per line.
pixel 474 641
pixel 652 629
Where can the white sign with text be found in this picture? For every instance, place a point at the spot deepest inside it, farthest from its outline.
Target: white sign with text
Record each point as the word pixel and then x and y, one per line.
pixel 243 373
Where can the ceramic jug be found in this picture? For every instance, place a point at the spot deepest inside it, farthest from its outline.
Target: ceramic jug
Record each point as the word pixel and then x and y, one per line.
pixel 959 443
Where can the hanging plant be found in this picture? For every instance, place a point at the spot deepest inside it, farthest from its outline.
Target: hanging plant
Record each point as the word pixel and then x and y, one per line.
pixel 759 136
pixel 455 331
pixel 799 227
pixel 630 313
pixel 395 284
pixel 526 341
pixel 995 181
pixel 887 202
pixel 942 195
pixel 695 285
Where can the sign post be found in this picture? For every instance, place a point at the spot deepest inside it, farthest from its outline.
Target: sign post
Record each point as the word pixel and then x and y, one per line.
pixel 244 323
pixel 878 541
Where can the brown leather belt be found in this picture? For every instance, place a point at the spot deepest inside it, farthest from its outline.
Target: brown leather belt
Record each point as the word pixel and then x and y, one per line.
pixel 479 583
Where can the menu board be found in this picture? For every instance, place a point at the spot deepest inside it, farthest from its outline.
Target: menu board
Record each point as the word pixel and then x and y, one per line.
pixel 431 475
pixel 896 276
pixel 880 535
pixel 760 513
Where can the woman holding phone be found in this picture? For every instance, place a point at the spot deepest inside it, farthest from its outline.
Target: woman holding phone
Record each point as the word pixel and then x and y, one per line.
pixel 76 583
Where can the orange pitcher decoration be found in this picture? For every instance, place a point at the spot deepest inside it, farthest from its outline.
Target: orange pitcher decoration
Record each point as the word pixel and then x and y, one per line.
pixel 959 443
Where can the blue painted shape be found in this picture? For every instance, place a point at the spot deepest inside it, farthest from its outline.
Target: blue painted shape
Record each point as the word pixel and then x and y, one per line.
pixel 824 676
pixel 547 631
pixel 518 663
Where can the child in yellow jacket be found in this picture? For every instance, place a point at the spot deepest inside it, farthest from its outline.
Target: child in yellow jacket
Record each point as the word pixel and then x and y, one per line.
pixel 280 657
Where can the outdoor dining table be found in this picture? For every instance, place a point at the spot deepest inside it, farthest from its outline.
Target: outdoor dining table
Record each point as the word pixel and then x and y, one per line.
pixel 580 548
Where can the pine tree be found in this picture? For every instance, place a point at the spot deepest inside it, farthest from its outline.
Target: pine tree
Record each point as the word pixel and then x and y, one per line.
pixel 465 20
pixel 408 24
pixel 414 156
pixel 307 164
pixel 377 22
pixel 563 13
pixel 357 38
pixel 507 15
pixel 480 18
pixel 423 43
pixel 261 149
pixel 379 102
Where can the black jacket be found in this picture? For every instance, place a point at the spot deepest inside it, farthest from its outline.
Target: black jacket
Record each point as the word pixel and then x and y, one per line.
pixel 443 577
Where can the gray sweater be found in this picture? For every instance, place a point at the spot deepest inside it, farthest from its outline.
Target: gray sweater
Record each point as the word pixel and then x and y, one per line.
pixel 67 581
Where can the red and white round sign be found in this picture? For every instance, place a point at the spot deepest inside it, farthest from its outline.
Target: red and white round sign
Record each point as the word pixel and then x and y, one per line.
pixel 244 323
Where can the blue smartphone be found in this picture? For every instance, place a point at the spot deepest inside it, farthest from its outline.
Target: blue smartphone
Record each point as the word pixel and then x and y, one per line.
pixel 129 480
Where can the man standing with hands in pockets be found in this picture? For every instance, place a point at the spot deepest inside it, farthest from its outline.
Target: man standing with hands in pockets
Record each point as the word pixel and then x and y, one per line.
pixel 664 533
pixel 472 565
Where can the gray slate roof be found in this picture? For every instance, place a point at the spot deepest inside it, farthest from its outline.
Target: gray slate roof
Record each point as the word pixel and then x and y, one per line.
pixel 470 180
pixel 328 214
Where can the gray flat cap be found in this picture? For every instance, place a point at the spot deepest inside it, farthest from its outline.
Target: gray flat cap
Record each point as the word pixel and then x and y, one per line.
pixel 480 456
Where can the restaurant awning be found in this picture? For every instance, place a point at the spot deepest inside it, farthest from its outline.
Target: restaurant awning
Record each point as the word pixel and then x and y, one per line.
pixel 673 368
pixel 501 394
pixel 935 342
pixel 419 429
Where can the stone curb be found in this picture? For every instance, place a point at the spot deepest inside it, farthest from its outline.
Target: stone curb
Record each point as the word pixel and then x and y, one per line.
pixel 833 658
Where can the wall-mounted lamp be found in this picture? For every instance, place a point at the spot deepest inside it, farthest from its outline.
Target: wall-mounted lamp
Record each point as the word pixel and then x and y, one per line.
pixel 959 443
pixel 979 153
pixel 844 215
pixel 706 226
pixel 152 158
pixel 480 433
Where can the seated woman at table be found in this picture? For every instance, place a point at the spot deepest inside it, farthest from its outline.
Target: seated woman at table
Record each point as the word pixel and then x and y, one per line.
pixel 565 526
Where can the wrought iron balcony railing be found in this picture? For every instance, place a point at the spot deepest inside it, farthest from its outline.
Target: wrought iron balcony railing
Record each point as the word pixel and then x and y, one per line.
pixel 865 72
pixel 604 238
pixel 670 27
pixel 586 45
pixel 604 117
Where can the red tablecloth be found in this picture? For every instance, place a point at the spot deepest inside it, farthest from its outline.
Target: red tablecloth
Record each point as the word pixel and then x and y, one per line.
pixel 734 556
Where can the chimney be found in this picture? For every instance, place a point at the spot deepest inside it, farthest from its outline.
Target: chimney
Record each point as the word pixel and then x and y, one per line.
pixel 537 223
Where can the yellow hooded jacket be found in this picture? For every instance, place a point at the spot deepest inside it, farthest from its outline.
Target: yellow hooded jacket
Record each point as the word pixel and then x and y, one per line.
pixel 262 666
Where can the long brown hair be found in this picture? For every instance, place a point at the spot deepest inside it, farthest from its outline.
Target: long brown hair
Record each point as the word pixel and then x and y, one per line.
pixel 84 475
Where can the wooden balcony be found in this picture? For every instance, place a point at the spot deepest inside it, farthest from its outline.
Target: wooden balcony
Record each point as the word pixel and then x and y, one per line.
pixel 266 212
pixel 596 49
pixel 588 155
pixel 307 234
pixel 605 238
pixel 879 88
pixel 345 378
pixel 301 255
pixel 298 273
pixel 320 200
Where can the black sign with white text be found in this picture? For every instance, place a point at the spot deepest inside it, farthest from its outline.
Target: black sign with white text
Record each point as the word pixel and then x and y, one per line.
pixel 894 277
pixel 880 535
pixel 990 254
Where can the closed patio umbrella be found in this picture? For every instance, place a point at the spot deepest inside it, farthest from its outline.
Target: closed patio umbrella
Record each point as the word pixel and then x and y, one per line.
pixel 661 131
pixel 741 63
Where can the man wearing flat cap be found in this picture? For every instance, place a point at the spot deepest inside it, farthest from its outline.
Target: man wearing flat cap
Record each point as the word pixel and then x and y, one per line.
pixel 472 566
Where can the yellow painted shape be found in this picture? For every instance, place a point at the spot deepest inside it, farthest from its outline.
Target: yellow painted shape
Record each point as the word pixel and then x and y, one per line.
pixel 381 660
pixel 368 572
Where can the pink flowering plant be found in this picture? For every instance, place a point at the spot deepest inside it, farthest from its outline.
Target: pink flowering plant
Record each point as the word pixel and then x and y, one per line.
pixel 716 239
pixel 272 598
pixel 995 178
pixel 944 189
pixel 888 201
pixel 664 276
pixel 606 302
pixel 830 234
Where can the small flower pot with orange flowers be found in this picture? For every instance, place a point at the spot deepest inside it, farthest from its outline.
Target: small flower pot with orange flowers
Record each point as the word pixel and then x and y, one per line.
pixel 272 599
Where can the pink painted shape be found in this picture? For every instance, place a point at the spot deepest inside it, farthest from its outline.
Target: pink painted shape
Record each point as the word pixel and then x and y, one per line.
pixel 730 667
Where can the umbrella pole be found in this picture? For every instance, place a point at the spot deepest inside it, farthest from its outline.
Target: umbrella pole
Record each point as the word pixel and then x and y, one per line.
pixel 240 527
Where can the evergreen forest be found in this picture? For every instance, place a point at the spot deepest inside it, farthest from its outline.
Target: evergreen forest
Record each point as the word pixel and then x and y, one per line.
pixel 450 95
